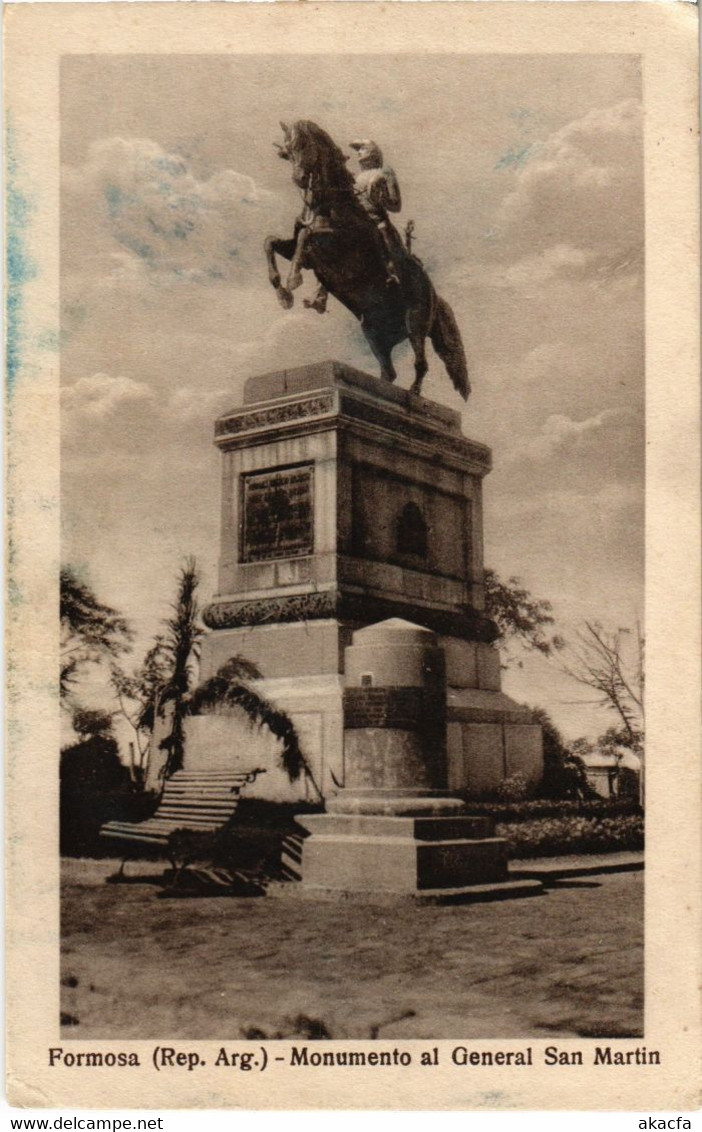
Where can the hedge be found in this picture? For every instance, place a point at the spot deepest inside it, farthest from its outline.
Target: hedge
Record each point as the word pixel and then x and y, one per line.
pixel 572 833
pixel 547 808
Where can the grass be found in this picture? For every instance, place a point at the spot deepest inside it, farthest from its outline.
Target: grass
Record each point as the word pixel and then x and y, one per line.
pixel 568 963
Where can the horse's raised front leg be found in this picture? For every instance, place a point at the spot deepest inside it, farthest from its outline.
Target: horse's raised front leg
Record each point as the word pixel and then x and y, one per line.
pixel 276 245
pixel 294 279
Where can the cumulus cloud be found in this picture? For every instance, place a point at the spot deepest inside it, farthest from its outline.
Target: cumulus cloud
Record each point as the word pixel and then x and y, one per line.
pixel 156 214
pixel 100 395
pixel 581 189
pixel 559 261
pixel 559 432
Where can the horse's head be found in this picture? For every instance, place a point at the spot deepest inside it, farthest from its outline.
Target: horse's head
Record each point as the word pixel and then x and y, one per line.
pixel 314 156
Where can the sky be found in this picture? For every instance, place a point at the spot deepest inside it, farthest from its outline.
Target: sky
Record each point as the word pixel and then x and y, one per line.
pixel 524 177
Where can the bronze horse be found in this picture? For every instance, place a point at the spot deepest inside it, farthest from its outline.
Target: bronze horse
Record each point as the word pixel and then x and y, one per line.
pixel 339 242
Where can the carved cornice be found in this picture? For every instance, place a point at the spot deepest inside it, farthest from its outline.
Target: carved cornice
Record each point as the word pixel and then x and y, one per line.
pixel 270 610
pixel 357 608
pixel 417 427
pixel 398 420
pixel 273 415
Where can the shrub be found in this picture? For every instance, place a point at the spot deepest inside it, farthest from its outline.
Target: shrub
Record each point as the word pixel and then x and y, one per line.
pixel 571 833
pixel 514 788
pixel 94 788
pixel 546 808
pixel 564 773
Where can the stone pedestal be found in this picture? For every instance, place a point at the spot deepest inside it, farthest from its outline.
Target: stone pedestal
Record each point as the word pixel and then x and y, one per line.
pixel 347 501
pixel 406 856
pixel 395 827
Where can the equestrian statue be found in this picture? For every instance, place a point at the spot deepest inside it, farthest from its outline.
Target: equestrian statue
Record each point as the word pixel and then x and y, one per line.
pixel 346 237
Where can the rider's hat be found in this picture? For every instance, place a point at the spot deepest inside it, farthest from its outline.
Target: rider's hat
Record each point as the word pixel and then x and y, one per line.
pixel 372 149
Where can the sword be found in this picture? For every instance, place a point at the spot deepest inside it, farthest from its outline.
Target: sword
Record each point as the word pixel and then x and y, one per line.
pixel 409 236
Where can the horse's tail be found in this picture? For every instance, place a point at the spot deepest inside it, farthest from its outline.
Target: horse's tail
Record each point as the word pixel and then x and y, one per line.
pixel 446 340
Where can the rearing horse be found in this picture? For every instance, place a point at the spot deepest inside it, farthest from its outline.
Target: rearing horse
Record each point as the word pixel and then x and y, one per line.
pixel 339 242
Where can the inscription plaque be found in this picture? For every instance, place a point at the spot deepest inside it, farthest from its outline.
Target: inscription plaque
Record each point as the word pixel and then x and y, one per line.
pixel 278 516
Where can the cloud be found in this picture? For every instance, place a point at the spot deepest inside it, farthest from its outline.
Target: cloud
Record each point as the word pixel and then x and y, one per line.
pixel 558 261
pixel 100 396
pixel 560 431
pixel 155 214
pixel 582 189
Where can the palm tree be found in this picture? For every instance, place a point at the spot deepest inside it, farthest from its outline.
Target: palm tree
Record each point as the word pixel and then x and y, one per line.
pixel 232 687
pixel 181 649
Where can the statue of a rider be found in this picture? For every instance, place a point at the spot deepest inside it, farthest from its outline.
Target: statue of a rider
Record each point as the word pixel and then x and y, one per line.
pixel 378 193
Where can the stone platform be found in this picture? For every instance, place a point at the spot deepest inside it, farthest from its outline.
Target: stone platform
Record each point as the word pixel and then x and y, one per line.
pixel 403 855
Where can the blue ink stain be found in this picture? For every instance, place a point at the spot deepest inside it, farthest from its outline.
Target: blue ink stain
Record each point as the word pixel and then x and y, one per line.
pixel 183 228
pixel 516 157
pixel 14 594
pixel 134 244
pixel 114 198
pixel 48 340
pixel 117 200
pixel 21 269
pixel 386 103
pixel 168 165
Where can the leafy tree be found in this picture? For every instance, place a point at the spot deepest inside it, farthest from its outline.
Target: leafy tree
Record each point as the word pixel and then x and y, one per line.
pixel 92 764
pixel 139 696
pixel 616 741
pixel 564 773
pixel 522 619
pixel 616 738
pixel 90 631
pixel 90 722
pixel 94 783
pixel 623 780
pixel 582 746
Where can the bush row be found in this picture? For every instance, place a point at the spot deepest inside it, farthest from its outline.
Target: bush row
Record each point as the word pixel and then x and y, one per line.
pixel 547 808
pixel 554 836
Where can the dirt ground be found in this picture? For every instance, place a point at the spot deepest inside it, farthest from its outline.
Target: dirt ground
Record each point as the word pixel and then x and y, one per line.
pixel 565 963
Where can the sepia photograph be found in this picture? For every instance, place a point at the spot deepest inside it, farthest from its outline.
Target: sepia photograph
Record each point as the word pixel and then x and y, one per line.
pixel 352 517
pixel 352 585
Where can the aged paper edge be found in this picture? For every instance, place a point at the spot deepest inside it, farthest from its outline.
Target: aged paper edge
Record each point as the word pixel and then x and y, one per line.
pixel 665 36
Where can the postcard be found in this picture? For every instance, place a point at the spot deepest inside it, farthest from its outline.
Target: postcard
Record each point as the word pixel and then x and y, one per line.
pixel 353 565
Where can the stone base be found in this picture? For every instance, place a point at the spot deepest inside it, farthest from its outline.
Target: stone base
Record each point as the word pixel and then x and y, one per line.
pixel 397 802
pixel 488 735
pixel 400 855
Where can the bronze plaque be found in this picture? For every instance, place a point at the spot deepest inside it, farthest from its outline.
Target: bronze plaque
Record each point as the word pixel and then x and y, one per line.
pixel 278 515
